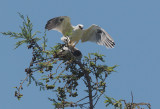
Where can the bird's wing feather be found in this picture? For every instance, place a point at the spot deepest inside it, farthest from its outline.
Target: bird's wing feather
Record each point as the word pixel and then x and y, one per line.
pixel 61 24
pixel 98 35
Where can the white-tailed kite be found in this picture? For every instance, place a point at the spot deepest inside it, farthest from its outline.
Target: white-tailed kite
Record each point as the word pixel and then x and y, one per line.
pixel 75 33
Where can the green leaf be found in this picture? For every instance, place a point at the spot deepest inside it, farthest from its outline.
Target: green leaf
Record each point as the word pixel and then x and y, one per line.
pixel 20 43
pixel 35 33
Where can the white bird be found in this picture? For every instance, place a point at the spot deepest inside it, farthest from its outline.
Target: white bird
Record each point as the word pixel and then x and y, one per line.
pixel 75 33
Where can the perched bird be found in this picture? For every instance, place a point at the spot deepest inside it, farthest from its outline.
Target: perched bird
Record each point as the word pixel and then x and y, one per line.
pixel 75 33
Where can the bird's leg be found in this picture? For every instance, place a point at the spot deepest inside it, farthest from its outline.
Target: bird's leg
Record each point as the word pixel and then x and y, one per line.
pixel 70 43
pixel 66 40
pixel 75 43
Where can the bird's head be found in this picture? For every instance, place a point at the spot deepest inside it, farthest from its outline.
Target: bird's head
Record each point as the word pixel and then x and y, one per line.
pixel 80 26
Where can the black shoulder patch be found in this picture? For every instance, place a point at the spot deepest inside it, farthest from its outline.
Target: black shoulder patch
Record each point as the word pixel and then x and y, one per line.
pixel 52 23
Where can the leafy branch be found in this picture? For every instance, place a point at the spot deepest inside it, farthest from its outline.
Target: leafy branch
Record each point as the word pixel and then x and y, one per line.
pixel 62 70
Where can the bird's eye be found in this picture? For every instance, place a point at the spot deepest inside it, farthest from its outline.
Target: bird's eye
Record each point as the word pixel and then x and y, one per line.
pixel 99 31
pixel 61 19
pixel 81 27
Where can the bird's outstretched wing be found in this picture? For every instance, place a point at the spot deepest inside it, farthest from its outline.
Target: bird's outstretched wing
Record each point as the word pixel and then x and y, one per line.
pixel 61 24
pixel 98 35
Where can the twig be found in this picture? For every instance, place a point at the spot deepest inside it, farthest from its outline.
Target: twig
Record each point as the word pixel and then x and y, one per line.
pixel 23 82
pixel 58 76
pixel 84 103
pixel 38 46
pixel 132 99
pixel 59 66
pixel 42 60
pixel 97 99
pixel 82 99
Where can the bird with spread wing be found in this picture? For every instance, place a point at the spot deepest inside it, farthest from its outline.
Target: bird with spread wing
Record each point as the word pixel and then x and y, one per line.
pixel 75 33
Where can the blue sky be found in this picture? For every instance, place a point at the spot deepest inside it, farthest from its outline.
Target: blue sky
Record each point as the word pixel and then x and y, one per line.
pixel 134 25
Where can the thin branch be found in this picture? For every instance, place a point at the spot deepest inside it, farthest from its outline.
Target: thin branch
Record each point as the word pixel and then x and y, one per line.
pixel 59 76
pixel 59 66
pixel 84 103
pixel 132 99
pixel 43 60
pixel 38 46
pixel 23 81
pixel 81 99
pixel 97 99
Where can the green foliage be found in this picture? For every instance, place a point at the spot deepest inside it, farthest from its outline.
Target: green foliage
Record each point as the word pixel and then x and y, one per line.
pixel 64 80
pixel 111 101
pixel 26 32
pixel 62 73
pixel 44 45
pixel 50 86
